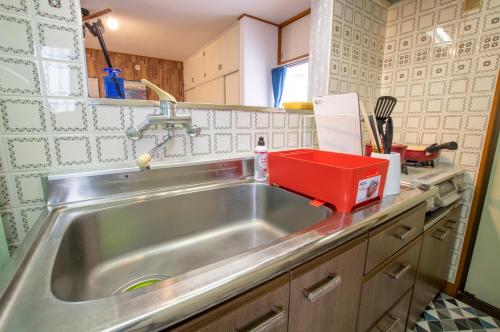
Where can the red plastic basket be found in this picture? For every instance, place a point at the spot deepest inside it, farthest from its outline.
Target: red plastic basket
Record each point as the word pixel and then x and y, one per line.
pixel 344 180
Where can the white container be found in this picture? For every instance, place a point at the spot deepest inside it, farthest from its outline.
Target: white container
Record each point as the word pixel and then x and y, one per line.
pixel 392 181
pixel 260 162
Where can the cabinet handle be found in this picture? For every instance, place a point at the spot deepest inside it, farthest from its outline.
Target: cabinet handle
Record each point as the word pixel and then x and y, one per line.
pixel 451 224
pixel 278 317
pixel 443 235
pixel 408 231
pixel 393 325
pixel 220 67
pixel 330 284
pixel 400 272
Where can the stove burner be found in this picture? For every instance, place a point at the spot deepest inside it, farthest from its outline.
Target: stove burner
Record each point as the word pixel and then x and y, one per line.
pixel 414 163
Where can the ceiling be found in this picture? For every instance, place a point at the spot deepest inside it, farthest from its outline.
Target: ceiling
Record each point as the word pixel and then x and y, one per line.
pixel 173 29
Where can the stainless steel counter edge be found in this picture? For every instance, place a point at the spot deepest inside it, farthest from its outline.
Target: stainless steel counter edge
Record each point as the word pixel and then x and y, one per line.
pixel 173 300
pixel 187 105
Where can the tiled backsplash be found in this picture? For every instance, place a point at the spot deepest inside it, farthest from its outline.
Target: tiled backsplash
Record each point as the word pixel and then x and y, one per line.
pixel 48 124
pixel 439 62
pixel 42 104
pixel 442 64
pixel 358 34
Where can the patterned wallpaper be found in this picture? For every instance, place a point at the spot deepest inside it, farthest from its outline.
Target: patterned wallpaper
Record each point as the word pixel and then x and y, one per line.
pixel 47 124
pixel 42 103
pixel 357 52
pixel 442 64
pixel 439 62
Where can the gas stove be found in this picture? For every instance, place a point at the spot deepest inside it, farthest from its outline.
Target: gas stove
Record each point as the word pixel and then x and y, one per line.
pixel 411 163
pixel 444 176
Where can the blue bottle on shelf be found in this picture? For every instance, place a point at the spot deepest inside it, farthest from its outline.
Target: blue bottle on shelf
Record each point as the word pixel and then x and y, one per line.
pixel 113 84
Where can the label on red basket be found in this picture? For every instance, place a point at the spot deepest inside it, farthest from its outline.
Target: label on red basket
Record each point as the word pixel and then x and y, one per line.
pixel 368 189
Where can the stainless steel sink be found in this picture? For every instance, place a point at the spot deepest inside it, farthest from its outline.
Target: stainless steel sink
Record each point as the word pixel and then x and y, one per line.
pixel 111 250
pixel 203 225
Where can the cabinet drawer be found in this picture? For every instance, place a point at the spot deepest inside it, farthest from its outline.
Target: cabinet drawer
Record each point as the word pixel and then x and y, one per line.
pixel 395 320
pixel 264 308
pixel 387 239
pixel 325 292
pixel 387 284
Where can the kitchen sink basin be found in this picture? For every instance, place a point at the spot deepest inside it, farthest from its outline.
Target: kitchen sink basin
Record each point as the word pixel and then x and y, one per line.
pixel 125 247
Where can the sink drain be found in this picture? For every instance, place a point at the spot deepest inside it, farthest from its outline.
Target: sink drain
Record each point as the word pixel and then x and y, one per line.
pixel 140 283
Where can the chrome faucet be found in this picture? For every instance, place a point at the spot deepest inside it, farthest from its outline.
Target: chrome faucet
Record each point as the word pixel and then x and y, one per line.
pixel 168 117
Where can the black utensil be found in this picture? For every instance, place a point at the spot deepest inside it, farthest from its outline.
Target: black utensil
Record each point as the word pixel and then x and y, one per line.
pixel 445 146
pixel 388 136
pixel 384 107
pixel 383 110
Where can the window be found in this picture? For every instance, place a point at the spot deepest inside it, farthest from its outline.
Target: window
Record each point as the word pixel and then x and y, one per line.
pixel 296 83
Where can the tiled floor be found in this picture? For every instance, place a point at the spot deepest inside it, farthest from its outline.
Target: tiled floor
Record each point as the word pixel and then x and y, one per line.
pixel 448 314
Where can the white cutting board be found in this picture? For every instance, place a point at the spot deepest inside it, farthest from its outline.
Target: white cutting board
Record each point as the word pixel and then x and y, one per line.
pixel 338 124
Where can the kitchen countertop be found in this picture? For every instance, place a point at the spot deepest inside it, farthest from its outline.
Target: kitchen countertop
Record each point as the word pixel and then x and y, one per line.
pixel 431 175
pixel 28 304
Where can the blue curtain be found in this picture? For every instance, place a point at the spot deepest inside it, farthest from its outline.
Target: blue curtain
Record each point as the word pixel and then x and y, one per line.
pixel 278 78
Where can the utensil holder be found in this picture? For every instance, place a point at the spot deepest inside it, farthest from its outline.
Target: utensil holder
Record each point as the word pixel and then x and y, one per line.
pixel 392 182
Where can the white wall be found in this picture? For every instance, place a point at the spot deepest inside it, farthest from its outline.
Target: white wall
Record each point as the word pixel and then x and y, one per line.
pixel 484 271
pixel 295 39
pixel 259 45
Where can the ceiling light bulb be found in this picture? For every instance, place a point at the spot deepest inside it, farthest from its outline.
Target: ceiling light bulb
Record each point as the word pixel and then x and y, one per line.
pixel 112 23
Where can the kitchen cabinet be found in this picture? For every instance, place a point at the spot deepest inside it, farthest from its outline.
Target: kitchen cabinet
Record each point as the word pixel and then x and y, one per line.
pixel 220 57
pixel 437 250
pixel 208 92
pixel 395 319
pixel 248 47
pixel 230 50
pixel 212 60
pixel 383 288
pixel 232 88
pixel 384 241
pixel 193 70
pixel 324 293
pixel 391 268
pixel 264 308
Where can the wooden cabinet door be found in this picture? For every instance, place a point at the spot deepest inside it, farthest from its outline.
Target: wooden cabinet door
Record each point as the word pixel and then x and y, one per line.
pixel 395 319
pixel 435 259
pixel 325 292
pixel 211 92
pixel 386 284
pixel 213 63
pixel 193 70
pixel 387 239
pixel 232 88
pixel 230 45
pixel 264 308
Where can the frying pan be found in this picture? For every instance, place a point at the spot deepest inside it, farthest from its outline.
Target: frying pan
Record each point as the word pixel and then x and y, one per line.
pixel 396 147
pixel 427 153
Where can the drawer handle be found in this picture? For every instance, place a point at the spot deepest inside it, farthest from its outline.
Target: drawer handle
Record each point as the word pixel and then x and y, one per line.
pixel 393 325
pixel 443 235
pixel 400 272
pixel 406 234
pixel 279 317
pixel 330 284
pixel 451 224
